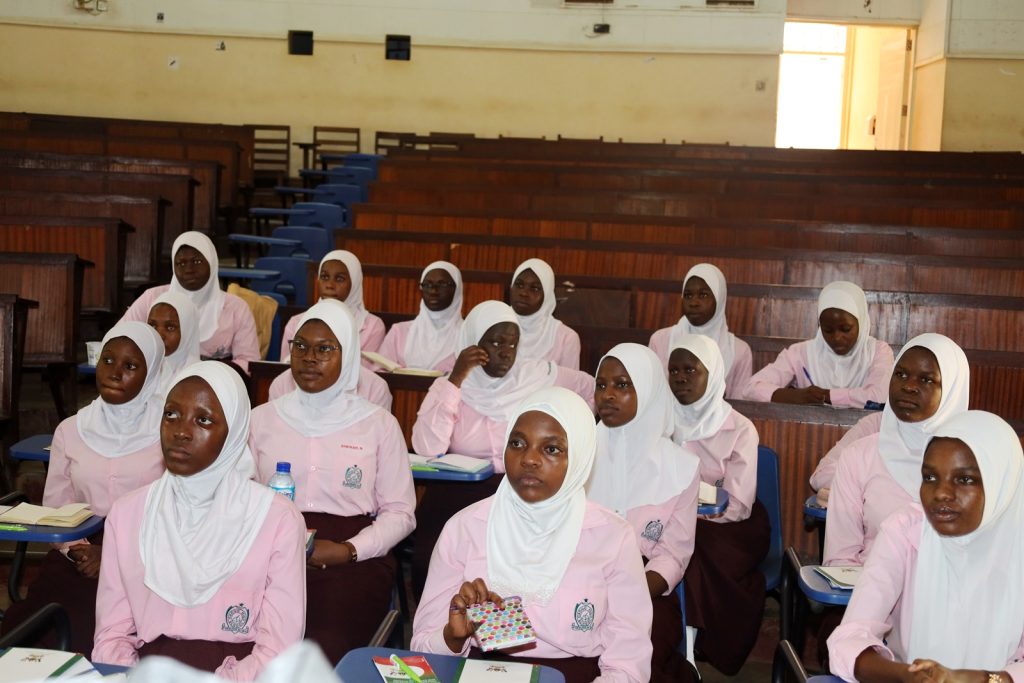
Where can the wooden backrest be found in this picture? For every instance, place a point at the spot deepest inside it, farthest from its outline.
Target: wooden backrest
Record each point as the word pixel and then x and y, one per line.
pixel 100 241
pixel 335 140
pixel 13 322
pixel 272 154
pixel 55 282
pixel 144 215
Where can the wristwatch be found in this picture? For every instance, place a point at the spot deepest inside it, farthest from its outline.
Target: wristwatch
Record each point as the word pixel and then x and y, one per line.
pixel 995 677
pixel 355 558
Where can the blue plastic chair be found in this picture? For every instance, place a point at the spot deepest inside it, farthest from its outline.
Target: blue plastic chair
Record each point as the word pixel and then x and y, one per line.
pixel 769 494
pixel 291 283
pixel 681 594
pixel 349 175
pixel 276 328
pixel 344 195
pixel 369 161
pixel 314 243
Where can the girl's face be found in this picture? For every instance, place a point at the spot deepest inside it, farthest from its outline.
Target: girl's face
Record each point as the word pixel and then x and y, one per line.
pixel 121 371
pixel 501 343
pixel 334 282
pixel 164 319
pixel 915 389
pixel 315 357
pixel 840 330
pixel 614 393
pixel 438 289
pixel 687 376
pixel 527 293
pixel 191 268
pixel 536 456
pixel 193 429
pixel 699 303
pixel 952 493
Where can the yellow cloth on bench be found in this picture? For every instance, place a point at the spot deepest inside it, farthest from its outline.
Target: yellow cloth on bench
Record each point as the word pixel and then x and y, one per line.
pixel 263 311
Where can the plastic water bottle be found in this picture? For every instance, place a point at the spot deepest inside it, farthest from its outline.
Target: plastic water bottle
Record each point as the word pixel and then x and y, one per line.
pixel 282 481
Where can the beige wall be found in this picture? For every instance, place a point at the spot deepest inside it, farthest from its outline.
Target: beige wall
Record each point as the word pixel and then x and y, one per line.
pixel 700 98
pixel 862 100
pixel 927 103
pixel 984 105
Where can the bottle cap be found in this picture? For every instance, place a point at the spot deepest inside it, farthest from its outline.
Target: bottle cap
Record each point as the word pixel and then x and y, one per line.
pixel 285 467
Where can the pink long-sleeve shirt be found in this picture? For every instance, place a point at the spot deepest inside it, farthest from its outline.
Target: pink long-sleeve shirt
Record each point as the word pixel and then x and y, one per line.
pixel 735 379
pixel 881 609
pixel 371 334
pixel 863 495
pixel 270 583
pixel 360 470
pixel 565 351
pixel 825 472
pixel 606 572
pixel 446 424
pixel 788 371
pixel 236 328
pixel 370 386
pixel 393 347
pixel 666 533
pixel 729 459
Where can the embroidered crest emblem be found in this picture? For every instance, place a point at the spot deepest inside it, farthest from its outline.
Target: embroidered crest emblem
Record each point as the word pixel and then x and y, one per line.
pixel 720 483
pixel 236 619
pixel 353 477
pixel 653 530
pixel 584 615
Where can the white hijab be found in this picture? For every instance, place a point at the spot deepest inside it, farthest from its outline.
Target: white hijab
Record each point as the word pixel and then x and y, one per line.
pixel 354 301
pixel 196 531
pixel 537 331
pixel 717 328
pixel 208 299
pixel 901 444
pixel 637 464
pixel 187 352
pixel 530 545
pixel 968 609
pixel 828 369
pixel 497 397
pixel 337 406
pixel 705 416
pixel 117 430
pixel 434 334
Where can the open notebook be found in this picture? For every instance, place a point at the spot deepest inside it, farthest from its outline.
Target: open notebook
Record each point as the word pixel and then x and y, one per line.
pixel 392 366
pixel 30 664
pixel 67 516
pixel 708 494
pixel 840 578
pixel 449 461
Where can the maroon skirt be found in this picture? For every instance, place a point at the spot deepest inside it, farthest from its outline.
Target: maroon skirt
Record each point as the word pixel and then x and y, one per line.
pixel 725 591
pixel 206 655
pixel 346 603
pixel 441 500
pixel 59 581
pixel 668 665
pixel 575 669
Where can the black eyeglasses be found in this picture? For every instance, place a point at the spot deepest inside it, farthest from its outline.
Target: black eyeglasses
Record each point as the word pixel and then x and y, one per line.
pixel 322 352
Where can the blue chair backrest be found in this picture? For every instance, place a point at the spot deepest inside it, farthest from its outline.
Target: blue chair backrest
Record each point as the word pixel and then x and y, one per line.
pixel 276 328
pixel 316 242
pixel 351 175
pixel 681 594
pixel 292 282
pixel 325 215
pixel 769 495
pixel 344 195
pixel 369 161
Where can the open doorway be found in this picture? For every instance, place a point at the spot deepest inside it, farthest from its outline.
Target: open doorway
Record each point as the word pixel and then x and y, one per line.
pixel 844 87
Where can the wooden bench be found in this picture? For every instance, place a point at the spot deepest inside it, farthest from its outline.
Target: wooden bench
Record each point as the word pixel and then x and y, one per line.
pixel 146 216
pixel 954 213
pixel 925 274
pixel 13 321
pixel 202 175
pixel 710 232
pixel 100 241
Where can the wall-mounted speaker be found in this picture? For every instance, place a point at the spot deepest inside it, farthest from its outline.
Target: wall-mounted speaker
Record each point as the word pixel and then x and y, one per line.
pixel 398 47
pixel 300 42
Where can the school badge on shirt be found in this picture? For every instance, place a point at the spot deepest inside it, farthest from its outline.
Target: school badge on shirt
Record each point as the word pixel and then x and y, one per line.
pixel 236 619
pixel 353 478
pixel 584 616
pixel 653 530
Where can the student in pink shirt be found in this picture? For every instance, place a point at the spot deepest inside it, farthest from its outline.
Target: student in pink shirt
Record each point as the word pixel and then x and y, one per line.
pixel 843 366
pixel 880 473
pixel 176 320
pixel 430 340
pixel 541 336
pixel 825 472
pixel 204 565
pixel 704 297
pixel 940 598
pixel 650 482
pixel 227 330
pixel 574 563
pixel 724 589
pixel 352 479
pixel 341 278
pixel 111 447
pixel 467 412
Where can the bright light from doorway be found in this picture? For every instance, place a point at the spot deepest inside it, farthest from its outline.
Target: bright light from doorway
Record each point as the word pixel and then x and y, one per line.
pixel 811 78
